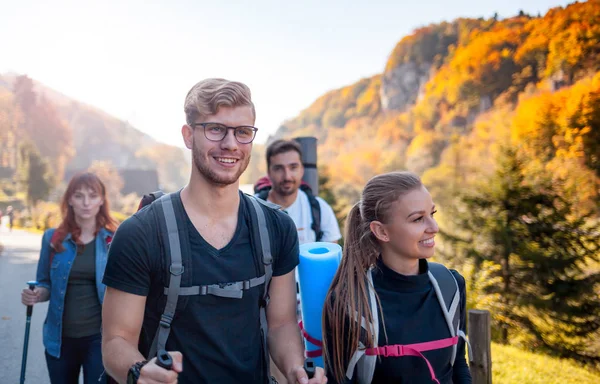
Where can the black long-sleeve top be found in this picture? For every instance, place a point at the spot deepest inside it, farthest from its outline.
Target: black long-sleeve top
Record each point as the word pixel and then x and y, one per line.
pixel 412 314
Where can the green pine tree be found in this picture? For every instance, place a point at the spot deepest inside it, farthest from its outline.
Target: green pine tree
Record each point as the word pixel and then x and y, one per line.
pixel 528 240
pixel 33 175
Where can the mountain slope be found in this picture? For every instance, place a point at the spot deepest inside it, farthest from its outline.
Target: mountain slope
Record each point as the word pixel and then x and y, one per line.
pixel 446 85
pixel 97 136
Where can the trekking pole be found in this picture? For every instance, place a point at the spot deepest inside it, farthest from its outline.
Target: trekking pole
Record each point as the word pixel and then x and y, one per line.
pixel 309 368
pixel 32 285
pixel 164 360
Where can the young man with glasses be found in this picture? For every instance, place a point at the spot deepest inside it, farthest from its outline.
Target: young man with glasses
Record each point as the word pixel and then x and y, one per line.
pixel 213 338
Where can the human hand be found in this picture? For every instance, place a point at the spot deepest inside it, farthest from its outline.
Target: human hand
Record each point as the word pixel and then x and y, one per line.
pixel 299 376
pixel 153 373
pixel 31 297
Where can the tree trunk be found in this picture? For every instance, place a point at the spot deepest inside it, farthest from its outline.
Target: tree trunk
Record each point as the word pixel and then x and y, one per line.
pixel 506 291
pixel 504 335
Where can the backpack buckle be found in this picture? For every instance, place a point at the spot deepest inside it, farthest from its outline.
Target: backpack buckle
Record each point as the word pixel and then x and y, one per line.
pixel 393 351
pixel 399 350
pixel 246 285
pixel 166 320
pixel 176 269
pixel 384 351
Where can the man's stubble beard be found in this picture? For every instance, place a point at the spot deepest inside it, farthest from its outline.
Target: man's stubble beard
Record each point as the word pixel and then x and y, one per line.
pixel 210 175
pixel 281 192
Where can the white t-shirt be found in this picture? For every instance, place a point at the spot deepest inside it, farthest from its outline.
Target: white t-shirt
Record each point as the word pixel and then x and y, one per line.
pixel 300 212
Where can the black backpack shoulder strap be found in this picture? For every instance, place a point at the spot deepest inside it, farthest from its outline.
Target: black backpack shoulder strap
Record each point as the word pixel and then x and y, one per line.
pixel 157 194
pixel 150 198
pixel 315 210
pixel 263 194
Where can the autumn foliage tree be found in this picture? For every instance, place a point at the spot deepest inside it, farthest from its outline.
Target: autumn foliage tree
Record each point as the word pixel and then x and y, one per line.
pixel 560 132
pixel 42 125
pixel 10 119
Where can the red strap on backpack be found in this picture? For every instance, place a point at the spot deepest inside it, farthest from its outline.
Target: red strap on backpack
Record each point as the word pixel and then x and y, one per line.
pixel 413 350
pixel 313 341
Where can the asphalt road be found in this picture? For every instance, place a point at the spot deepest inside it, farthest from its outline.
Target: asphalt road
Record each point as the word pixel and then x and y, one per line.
pixel 19 252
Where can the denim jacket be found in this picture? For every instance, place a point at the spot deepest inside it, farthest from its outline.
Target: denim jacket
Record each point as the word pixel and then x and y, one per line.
pixel 55 278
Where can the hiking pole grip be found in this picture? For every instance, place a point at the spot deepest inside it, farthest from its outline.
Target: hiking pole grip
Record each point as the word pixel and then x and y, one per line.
pixel 32 285
pixel 309 368
pixel 164 360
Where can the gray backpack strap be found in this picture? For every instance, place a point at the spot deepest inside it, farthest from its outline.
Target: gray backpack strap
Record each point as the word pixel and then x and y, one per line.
pixel 446 290
pixel 265 241
pixel 230 290
pixel 366 364
pixel 176 270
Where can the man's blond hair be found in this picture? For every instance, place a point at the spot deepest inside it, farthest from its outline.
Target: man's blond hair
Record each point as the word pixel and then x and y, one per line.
pixel 206 97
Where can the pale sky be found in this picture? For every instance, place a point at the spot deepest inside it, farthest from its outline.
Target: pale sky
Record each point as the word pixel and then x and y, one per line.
pixel 137 59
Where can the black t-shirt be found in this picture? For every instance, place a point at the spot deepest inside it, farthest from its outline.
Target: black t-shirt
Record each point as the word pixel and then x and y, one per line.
pixel 412 314
pixel 219 337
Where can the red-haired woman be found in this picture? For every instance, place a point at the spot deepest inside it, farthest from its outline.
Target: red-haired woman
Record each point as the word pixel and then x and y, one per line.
pixel 69 274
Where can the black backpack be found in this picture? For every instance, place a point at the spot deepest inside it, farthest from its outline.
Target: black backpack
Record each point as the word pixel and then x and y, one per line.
pixel 175 244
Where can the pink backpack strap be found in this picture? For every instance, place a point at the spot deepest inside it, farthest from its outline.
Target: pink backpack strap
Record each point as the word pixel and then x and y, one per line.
pixel 399 350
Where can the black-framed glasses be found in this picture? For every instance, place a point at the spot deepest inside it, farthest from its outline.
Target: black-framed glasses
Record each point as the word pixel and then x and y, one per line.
pixel 244 134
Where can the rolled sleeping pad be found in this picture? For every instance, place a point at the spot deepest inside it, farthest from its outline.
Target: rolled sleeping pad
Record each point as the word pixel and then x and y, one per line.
pixel 319 262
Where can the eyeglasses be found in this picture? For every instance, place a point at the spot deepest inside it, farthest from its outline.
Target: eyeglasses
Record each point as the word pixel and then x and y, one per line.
pixel 244 134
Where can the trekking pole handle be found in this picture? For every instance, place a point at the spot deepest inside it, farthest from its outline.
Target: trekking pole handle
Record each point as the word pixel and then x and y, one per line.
pixel 309 368
pixel 164 360
pixel 32 285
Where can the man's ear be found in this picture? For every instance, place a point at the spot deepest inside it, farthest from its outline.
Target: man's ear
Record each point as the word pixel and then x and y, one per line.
pixel 187 133
pixel 378 229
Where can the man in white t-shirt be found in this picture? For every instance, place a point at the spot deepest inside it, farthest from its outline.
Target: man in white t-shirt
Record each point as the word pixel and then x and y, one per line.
pixel 284 187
